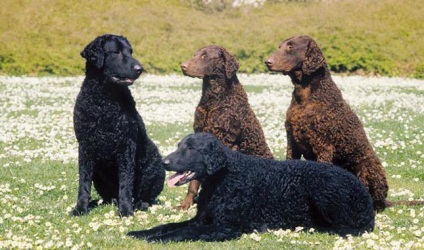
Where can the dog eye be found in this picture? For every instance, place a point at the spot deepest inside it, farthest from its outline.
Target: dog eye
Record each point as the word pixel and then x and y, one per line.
pixel 117 52
pixel 203 56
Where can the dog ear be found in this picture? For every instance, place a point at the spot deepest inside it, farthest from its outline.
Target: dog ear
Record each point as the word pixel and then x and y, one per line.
pixel 125 41
pixel 314 59
pixel 231 64
pixel 94 53
pixel 214 157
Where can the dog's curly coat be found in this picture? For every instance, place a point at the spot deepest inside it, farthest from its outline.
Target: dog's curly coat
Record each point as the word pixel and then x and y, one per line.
pixel 320 125
pixel 115 152
pixel 223 109
pixel 241 193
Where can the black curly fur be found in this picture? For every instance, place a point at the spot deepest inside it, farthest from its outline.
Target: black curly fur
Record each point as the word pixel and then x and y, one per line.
pixel 115 152
pixel 244 193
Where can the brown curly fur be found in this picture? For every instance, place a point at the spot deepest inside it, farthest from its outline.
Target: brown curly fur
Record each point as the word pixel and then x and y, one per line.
pixel 223 109
pixel 320 125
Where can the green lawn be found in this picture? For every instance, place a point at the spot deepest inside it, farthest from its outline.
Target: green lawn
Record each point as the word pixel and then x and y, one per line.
pixel 38 161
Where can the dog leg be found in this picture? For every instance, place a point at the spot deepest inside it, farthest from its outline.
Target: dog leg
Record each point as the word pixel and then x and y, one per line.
pixel 84 188
pixel 192 191
pixel 325 153
pixel 374 180
pixel 292 152
pixel 148 186
pixel 126 165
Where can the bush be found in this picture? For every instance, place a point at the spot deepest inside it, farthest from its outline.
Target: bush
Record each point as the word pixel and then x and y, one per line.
pixel 419 71
pixel 366 36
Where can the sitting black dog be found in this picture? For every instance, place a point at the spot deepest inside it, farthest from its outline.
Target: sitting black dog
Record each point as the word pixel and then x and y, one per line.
pixel 243 193
pixel 115 152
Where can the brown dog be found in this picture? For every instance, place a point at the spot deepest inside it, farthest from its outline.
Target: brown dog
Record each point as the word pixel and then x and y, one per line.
pixel 223 109
pixel 320 125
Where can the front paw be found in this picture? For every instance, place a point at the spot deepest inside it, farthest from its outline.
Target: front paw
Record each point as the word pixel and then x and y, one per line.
pixel 139 234
pixel 142 206
pixel 126 210
pixel 186 204
pixel 157 239
pixel 78 211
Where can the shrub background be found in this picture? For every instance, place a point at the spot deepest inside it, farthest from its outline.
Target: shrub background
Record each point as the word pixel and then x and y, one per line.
pixel 45 37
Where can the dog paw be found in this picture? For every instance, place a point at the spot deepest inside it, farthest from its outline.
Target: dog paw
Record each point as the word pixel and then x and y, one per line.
pixel 138 234
pixel 78 211
pixel 142 206
pixel 182 207
pixel 185 205
pixel 125 211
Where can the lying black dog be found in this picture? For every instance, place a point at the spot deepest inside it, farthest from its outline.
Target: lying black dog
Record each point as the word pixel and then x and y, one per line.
pixel 115 152
pixel 243 193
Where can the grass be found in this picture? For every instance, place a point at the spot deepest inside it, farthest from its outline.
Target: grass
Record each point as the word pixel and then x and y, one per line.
pixel 366 37
pixel 38 161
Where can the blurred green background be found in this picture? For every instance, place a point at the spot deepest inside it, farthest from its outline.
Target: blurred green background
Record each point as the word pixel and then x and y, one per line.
pixel 375 37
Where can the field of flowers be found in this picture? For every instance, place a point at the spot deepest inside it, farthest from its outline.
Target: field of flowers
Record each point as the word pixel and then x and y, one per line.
pixel 38 161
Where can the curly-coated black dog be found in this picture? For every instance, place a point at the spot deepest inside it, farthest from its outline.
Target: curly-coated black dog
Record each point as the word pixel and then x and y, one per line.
pixel 115 152
pixel 244 193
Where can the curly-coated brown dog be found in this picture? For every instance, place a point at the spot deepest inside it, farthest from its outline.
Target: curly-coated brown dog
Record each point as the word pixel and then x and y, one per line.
pixel 223 109
pixel 320 124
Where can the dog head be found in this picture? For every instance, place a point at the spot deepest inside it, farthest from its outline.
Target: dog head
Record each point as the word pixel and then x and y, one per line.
pixel 299 53
pixel 211 60
pixel 198 156
pixel 112 55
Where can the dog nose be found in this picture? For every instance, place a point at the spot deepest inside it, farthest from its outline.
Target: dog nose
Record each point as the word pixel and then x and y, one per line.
pixel 166 162
pixel 138 68
pixel 184 66
pixel 269 62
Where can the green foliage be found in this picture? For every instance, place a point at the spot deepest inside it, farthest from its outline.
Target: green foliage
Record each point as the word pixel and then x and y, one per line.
pixel 419 71
pixel 370 37
pixel 354 55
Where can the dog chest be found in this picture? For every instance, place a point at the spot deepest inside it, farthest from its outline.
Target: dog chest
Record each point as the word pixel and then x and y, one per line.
pixel 103 125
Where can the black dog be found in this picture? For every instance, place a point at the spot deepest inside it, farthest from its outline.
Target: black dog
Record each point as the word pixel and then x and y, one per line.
pixel 115 152
pixel 243 193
